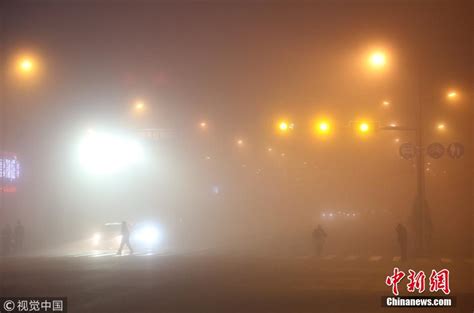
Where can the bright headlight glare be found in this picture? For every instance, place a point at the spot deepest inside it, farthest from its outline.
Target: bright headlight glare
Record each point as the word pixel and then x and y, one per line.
pixel 148 234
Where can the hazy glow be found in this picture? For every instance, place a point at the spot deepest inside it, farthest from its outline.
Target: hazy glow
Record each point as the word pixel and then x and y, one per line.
pixel 452 94
pixel 26 66
pixel 364 127
pixel 139 105
pixel 104 153
pixel 96 239
pixel 147 235
pixel 283 126
pixel 378 59
pixel 203 125
pixel 386 103
pixel 323 127
pixel 441 126
pixel 240 142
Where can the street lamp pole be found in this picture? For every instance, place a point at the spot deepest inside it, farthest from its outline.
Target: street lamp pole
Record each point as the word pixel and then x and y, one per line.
pixel 420 204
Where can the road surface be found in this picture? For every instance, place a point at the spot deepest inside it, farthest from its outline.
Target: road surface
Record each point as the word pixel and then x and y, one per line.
pixel 211 282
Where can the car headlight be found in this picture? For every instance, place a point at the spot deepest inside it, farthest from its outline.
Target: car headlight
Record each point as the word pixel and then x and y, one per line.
pixel 148 235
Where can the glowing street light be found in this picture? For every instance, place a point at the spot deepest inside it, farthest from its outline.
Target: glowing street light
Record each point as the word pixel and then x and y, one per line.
pixel 452 95
pixel 441 126
pixel 386 103
pixel 240 142
pixel 26 66
pixel 377 59
pixel 203 125
pixel 139 106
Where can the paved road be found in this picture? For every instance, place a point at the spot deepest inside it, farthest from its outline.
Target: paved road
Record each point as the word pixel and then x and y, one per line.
pixel 203 282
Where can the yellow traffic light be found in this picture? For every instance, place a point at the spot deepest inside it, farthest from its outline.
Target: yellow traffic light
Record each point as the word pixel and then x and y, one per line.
pixel 323 127
pixel 364 128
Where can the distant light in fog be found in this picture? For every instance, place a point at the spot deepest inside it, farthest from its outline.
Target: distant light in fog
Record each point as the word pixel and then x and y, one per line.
pixel 105 153
pixel 203 125
pixel 284 126
pixel 139 106
pixel 322 127
pixel 386 103
pixel 215 190
pixel 452 94
pixel 26 66
pixel 240 142
pixel 377 59
pixel 441 127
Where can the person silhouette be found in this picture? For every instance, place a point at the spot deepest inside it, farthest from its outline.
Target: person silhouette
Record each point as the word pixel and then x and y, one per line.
pixel 125 238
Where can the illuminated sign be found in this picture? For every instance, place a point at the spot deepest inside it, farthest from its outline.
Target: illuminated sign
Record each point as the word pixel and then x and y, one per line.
pixel 9 172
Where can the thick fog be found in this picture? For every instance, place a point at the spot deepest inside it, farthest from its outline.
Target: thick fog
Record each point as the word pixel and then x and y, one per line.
pixel 240 67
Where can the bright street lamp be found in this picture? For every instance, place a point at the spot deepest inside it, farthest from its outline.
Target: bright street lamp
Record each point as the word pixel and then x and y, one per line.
pixel 452 95
pixel 26 66
pixel 377 59
pixel 139 106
